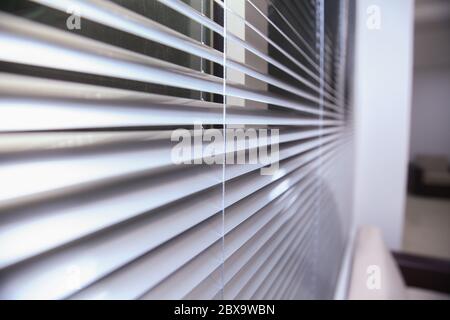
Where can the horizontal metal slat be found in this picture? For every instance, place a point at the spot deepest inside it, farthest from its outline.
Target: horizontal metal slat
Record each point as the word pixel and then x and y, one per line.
pixel 28 42
pixel 117 17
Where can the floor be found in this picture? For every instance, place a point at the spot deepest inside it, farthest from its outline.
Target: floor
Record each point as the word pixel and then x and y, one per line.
pixel 427 227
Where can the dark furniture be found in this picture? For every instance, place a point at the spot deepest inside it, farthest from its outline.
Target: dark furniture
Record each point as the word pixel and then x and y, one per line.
pixel 429 176
pixel 424 272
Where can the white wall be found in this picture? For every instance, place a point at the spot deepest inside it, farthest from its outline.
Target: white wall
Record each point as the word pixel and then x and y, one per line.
pixel 382 95
pixel 430 118
pixel 430 114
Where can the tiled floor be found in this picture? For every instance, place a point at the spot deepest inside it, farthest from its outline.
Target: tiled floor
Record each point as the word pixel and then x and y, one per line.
pixel 427 227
